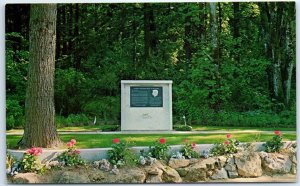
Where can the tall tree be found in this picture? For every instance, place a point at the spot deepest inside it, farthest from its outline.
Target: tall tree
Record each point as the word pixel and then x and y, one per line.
pixel 39 127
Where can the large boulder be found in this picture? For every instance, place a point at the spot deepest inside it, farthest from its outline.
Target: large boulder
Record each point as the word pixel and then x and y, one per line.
pixel 248 165
pixel 178 163
pixel 72 177
pixel 198 171
pixel 277 163
pixel 26 178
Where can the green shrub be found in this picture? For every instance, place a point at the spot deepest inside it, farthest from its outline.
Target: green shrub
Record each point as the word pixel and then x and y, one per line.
pixel 188 150
pixel 120 154
pixel 30 161
pixel 159 150
pixel 275 144
pixel 182 128
pixel 110 127
pixel 72 120
pixel 71 157
pixel 229 146
pixel 14 114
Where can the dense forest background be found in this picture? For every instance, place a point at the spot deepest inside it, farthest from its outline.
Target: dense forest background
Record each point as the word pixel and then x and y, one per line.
pixel 232 64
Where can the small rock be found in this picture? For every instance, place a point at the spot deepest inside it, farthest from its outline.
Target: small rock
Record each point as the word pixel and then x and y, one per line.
pixel 154 179
pixel 230 167
pixel 170 175
pixel 263 154
pixel 294 169
pixel 220 174
pixel 230 161
pixel 222 160
pixel 154 171
pixel 232 174
pixel 178 163
pixel 182 172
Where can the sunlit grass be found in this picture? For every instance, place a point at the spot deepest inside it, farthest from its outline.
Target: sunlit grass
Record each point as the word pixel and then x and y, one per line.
pixel 105 140
pixel 195 128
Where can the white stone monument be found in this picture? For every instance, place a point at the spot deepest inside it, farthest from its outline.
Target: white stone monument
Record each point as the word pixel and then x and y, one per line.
pixel 146 105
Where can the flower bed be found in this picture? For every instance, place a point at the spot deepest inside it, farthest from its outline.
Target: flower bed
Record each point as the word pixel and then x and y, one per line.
pixel 161 163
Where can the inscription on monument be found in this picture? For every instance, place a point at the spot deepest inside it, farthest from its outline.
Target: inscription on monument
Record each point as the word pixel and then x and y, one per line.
pixel 146 97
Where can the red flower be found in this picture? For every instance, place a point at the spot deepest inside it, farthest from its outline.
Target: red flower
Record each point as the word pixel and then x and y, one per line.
pixel 226 142
pixel 277 132
pixel 193 145
pixel 73 141
pixel 228 135
pixel 69 144
pixel 185 141
pixel 162 140
pixel 116 140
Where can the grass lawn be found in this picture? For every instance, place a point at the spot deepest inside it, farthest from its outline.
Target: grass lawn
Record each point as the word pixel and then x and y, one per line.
pixel 195 128
pixel 101 140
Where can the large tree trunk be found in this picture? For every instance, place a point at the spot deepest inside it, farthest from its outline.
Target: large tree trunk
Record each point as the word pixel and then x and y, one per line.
pixel 39 108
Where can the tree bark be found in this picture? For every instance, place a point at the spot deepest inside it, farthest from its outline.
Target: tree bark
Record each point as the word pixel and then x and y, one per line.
pixel 39 127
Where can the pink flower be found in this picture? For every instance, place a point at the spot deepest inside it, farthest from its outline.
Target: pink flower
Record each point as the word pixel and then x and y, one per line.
pixel 162 140
pixel 228 135
pixel 277 132
pixel 77 152
pixel 73 141
pixel 226 142
pixel 34 151
pixel 116 140
pixel 69 144
pixel 193 145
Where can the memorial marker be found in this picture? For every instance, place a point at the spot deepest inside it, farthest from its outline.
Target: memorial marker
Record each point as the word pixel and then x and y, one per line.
pixel 146 105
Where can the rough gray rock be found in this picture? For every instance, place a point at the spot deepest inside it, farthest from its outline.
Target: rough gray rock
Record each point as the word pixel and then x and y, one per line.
pixel 170 175
pixel 178 163
pixel 26 178
pixel 199 170
pixel 154 179
pixel 222 160
pixel 233 174
pixel 219 174
pixel 230 167
pixel 73 177
pixel 248 165
pixel 135 175
pixel 277 163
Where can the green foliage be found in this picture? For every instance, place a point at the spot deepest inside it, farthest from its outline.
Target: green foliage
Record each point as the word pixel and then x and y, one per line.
pixel 14 114
pixel 120 154
pixel 73 120
pixel 182 128
pixel 274 145
pixel 30 161
pixel 230 146
pixel 227 85
pixel 159 150
pixel 188 151
pixel 110 127
pixel 71 157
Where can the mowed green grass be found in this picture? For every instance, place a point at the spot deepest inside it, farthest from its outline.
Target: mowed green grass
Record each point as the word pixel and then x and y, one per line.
pixel 195 128
pixel 105 140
